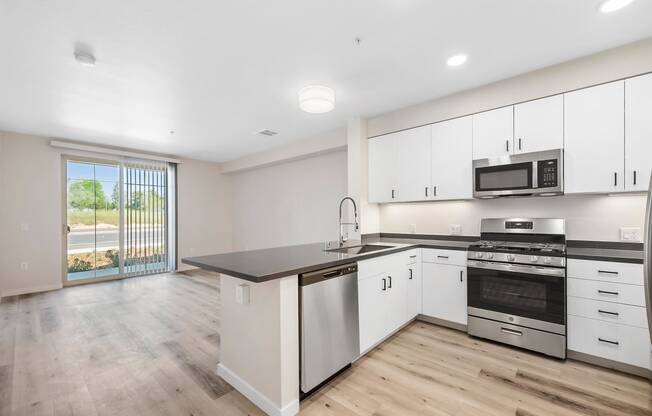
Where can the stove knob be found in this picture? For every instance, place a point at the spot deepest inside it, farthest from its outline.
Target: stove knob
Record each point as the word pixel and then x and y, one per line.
pixel 490 256
pixel 511 257
pixel 534 259
pixel 547 260
pixel 478 255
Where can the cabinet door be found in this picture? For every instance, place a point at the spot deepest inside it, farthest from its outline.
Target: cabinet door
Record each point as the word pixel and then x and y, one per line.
pixel 539 125
pixel 594 127
pixel 382 168
pixel 413 164
pixel 372 310
pixel 414 292
pixel 493 133
pixel 452 159
pixel 638 132
pixel 444 292
pixel 397 288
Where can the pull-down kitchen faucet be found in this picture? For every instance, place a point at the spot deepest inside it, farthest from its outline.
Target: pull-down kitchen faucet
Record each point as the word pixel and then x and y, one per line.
pixel 355 224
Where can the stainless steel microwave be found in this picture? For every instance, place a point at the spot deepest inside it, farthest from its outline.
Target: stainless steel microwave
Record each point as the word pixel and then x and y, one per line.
pixel 536 173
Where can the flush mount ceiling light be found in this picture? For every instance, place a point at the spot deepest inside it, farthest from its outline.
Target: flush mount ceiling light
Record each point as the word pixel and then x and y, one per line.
pixel 612 5
pixel 85 59
pixel 456 60
pixel 316 99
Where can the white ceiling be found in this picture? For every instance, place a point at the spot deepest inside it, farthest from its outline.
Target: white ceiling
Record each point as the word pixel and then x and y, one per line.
pixel 216 71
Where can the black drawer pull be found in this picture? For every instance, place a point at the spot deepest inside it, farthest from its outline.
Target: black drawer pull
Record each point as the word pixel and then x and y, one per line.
pixel 461 275
pixel 615 178
pixel 606 341
pixel 384 284
pixel 413 256
pixel 606 292
pixel 389 286
pixel 442 257
pixel 608 313
pixel 426 191
pixel 410 274
pixel 608 272
pixel 634 177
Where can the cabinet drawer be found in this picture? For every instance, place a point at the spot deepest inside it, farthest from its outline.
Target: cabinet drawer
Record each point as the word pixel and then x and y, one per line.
pixel 626 344
pixel 413 256
pixel 452 257
pixel 604 291
pixel 606 271
pixel 377 265
pixel 608 311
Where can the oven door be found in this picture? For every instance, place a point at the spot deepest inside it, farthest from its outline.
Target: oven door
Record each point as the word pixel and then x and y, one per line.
pixel 530 296
pixel 503 180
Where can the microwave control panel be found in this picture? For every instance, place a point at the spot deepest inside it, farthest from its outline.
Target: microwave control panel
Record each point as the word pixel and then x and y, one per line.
pixel 548 172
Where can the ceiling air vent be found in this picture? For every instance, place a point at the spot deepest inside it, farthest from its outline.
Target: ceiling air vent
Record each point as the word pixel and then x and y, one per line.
pixel 267 132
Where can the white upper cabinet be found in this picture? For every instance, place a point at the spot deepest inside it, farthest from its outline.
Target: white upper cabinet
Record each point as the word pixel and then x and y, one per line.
pixel 594 126
pixel 382 168
pixel 638 132
pixel 539 125
pixel 451 157
pixel 493 133
pixel 413 164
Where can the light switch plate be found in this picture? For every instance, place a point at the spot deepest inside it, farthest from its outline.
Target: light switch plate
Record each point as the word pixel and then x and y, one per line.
pixel 630 234
pixel 455 229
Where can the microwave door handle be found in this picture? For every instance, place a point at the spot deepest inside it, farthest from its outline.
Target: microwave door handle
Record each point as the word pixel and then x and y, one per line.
pixel 535 174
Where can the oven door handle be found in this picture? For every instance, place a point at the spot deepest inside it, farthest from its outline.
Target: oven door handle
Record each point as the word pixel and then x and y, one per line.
pixel 517 268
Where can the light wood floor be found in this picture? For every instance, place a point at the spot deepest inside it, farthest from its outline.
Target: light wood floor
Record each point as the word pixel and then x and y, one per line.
pixel 149 346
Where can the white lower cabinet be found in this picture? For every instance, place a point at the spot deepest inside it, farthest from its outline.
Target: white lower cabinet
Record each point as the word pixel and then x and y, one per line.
pixel 382 298
pixel 414 284
pixel 606 311
pixel 622 343
pixel 444 292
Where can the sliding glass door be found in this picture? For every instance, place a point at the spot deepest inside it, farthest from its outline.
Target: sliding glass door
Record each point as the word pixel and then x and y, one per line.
pixel 119 219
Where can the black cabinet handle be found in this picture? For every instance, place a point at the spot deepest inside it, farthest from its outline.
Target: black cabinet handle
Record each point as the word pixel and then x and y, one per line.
pixel 519 144
pixel 615 178
pixel 426 191
pixel 410 274
pixel 634 177
pixel 442 257
pixel 389 286
pixel 434 191
pixel 461 275
pixel 507 145
pixel 384 284
pixel 392 194
pixel 414 256
pixel 606 292
pixel 608 313
pixel 609 342
pixel 608 272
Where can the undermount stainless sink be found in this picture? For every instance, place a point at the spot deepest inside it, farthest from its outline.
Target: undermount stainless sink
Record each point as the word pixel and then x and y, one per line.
pixel 361 249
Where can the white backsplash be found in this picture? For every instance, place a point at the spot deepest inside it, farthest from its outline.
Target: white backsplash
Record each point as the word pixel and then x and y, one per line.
pixel 588 217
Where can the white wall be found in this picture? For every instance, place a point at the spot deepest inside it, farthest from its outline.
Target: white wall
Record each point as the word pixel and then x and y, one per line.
pixel 204 210
pixel 290 203
pixel 31 212
pixel 596 217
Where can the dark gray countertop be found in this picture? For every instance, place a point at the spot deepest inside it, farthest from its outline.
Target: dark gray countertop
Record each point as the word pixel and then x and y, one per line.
pixel 273 263
pixel 605 254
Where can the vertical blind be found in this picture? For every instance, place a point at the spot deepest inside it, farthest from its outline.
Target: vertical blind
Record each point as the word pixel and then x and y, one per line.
pixel 148 223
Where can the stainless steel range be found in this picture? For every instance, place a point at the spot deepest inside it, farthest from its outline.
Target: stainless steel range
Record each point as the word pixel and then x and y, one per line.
pixel 517 284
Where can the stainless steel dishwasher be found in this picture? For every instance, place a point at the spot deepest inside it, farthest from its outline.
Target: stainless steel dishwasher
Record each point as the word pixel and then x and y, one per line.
pixel 329 323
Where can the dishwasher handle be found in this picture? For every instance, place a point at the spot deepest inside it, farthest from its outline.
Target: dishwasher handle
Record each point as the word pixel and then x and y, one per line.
pixel 326 274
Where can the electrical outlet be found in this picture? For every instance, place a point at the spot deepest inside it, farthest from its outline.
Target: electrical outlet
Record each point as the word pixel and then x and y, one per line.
pixel 413 228
pixel 631 234
pixel 455 229
pixel 24 265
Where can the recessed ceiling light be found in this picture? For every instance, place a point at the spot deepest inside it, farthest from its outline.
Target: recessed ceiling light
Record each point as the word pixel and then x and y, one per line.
pixel 316 99
pixel 456 60
pixel 612 5
pixel 85 59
